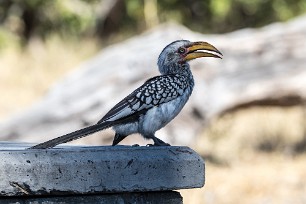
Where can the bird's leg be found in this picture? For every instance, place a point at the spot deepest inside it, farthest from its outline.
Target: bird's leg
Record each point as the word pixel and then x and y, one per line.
pixel 118 138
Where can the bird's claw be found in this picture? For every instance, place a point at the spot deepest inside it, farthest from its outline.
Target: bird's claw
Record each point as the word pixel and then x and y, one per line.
pixel 157 145
pixel 135 145
pixel 150 145
pixel 165 144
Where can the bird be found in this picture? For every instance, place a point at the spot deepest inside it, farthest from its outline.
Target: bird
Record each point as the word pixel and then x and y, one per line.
pixel 154 104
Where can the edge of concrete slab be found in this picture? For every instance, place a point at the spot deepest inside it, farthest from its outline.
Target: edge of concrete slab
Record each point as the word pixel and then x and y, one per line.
pixel 68 170
pixel 164 197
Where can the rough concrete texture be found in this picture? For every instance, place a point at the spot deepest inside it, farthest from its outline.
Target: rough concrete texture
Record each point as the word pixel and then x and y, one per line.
pixel 99 169
pixel 167 197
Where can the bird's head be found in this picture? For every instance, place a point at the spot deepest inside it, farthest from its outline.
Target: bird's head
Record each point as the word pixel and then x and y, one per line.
pixel 180 52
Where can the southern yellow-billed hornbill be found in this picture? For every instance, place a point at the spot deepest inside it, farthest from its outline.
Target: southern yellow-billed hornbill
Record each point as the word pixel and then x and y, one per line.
pixel 154 104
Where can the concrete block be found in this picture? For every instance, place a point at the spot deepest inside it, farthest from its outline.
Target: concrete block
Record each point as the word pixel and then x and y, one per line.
pixel 167 197
pixel 68 170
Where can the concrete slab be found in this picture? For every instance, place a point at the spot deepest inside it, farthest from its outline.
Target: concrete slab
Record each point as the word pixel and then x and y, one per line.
pixel 167 197
pixel 68 170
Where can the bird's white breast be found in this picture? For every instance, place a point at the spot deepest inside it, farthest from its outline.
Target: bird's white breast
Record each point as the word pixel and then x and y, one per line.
pixel 159 116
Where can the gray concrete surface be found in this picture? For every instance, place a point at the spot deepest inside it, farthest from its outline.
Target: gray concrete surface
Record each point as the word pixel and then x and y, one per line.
pixel 168 197
pixel 68 170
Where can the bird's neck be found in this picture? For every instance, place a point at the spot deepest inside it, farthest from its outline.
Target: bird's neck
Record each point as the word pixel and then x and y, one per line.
pixel 182 71
pixel 177 69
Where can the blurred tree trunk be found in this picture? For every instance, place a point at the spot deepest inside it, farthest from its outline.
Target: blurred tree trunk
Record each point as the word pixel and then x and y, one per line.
pixel 151 13
pixel 29 17
pixel 110 14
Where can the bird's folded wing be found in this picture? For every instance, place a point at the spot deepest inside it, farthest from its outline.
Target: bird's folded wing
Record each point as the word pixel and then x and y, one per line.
pixel 153 92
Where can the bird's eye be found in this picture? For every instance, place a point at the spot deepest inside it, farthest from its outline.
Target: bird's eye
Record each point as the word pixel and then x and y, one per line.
pixel 181 50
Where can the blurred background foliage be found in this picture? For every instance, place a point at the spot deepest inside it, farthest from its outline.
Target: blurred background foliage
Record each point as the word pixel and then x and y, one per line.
pixel 117 19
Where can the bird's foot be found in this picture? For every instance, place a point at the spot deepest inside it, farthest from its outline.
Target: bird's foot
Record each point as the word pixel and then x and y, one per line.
pixel 135 145
pixel 159 142
pixel 162 144
pixel 158 145
pixel 149 145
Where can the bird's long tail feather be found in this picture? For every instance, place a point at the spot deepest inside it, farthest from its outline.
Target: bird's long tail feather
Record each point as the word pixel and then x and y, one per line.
pixel 73 135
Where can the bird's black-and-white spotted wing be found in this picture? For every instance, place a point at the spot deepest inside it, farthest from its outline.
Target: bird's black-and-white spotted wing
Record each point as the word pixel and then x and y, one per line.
pixel 153 92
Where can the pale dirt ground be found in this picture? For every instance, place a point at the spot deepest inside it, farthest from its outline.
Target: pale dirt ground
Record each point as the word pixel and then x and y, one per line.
pixel 252 156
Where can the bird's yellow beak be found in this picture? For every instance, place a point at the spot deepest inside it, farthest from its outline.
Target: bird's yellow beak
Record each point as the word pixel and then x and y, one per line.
pixel 199 49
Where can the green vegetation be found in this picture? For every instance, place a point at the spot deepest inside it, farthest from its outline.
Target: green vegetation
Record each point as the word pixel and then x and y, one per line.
pixel 117 19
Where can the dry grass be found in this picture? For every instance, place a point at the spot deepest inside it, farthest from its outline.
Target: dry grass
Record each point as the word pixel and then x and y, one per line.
pixel 253 156
pixel 273 129
pixel 26 74
pixel 263 178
